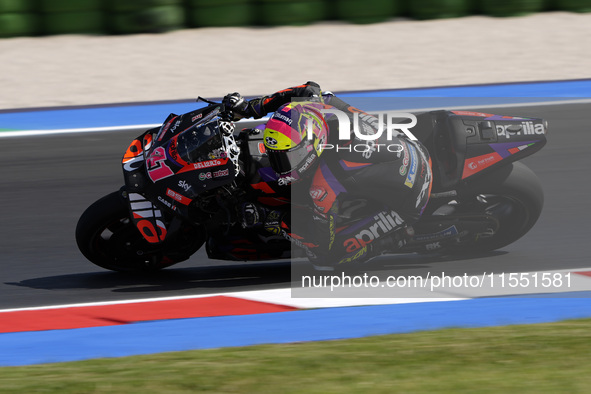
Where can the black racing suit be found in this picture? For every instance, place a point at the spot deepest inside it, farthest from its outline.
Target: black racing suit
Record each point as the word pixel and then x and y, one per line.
pixel 361 195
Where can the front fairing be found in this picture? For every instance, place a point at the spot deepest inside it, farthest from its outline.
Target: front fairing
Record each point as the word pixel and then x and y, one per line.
pixel 189 155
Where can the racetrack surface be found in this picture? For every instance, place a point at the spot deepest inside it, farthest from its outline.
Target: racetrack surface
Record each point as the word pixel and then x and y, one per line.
pixel 48 182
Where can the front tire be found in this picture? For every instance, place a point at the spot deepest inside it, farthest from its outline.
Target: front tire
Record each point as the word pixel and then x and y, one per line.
pixel 108 238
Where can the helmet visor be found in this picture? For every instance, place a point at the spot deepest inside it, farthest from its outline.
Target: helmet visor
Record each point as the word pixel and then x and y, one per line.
pixel 284 162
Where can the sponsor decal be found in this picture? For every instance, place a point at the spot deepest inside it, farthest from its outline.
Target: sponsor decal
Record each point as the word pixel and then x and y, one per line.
pixel 176 124
pixel 298 243
pixel 359 254
pixel 209 163
pixel 405 159
pixel 164 129
pixel 523 128
pixel 173 153
pixel 478 163
pixel 331 229
pixel 424 188
pixel 147 218
pixel 177 197
pixel 221 173
pixel 309 161
pixel 184 185
pixel 471 113
pixel 204 175
pixel 433 246
pixel 283 118
pixel 163 201
pixel 318 193
pixel 204 165
pixel 426 176
pixel 196 117
pixel 386 222
pixel 285 180
pixel 172 150
pixel 414 163
pixel 271 142
pixel 448 232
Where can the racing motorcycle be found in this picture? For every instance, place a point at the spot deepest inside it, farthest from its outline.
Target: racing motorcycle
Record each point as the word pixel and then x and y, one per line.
pixel 185 179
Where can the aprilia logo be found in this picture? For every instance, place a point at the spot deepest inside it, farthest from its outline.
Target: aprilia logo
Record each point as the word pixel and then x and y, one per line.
pixel 528 128
pixel 386 222
pixel 309 160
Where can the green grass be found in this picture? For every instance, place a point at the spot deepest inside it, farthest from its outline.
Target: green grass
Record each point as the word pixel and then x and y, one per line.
pixel 549 358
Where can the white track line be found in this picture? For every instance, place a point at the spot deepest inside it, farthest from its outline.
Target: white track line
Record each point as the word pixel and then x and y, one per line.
pixel 27 133
pixel 284 297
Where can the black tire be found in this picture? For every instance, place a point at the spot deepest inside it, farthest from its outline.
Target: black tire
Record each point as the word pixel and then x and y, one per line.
pixel 108 238
pixel 514 196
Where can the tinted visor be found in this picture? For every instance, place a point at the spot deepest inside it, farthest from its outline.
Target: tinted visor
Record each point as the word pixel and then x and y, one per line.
pixel 284 162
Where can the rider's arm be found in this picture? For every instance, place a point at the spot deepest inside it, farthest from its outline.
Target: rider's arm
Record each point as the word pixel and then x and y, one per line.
pixel 261 106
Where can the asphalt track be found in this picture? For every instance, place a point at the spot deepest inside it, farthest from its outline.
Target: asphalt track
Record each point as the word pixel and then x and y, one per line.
pixel 47 182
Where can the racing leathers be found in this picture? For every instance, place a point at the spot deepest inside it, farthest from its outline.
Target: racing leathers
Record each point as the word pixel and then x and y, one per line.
pixel 363 195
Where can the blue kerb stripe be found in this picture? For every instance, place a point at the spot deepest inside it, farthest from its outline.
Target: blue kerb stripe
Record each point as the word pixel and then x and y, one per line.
pixel 284 327
pixel 155 113
pixel 571 89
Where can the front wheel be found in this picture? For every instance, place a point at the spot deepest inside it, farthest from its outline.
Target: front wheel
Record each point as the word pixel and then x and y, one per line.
pixel 108 238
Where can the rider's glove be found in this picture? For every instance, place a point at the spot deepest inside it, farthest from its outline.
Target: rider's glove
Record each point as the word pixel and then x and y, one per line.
pixel 235 103
pixel 312 90
pixel 254 215
pixel 250 215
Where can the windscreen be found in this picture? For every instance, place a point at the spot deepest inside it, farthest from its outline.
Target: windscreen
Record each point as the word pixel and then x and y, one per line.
pixel 201 143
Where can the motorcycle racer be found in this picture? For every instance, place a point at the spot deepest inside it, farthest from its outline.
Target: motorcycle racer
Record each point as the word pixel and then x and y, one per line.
pixel 352 199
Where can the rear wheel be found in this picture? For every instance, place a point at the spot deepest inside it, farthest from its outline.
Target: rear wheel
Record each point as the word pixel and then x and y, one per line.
pixel 108 238
pixel 513 196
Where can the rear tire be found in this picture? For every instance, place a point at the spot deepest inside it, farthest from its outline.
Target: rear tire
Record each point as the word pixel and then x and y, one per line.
pixel 108 238
pixel 514 196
